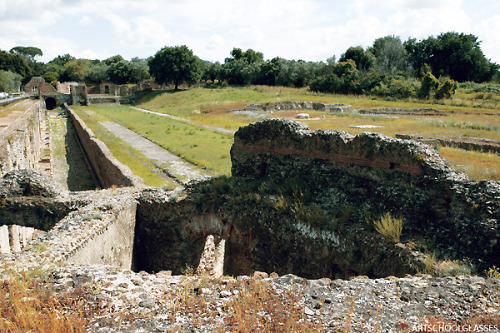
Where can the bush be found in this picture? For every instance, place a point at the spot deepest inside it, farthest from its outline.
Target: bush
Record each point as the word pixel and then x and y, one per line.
pixel 397 87
pixel 389 227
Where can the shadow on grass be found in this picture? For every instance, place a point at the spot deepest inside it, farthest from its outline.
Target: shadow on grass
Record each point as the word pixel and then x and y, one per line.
pixel 148 95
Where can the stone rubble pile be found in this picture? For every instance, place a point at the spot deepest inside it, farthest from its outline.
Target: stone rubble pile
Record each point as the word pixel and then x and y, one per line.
pixel 152 302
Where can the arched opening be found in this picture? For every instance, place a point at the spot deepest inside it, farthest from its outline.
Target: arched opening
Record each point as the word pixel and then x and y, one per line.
pixel 50 103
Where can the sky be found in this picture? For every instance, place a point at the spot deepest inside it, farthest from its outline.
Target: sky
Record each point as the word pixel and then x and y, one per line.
pixel 310 30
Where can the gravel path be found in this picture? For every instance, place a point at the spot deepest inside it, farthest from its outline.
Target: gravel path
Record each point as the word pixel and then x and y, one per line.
pixel 212 128
pixel 174 166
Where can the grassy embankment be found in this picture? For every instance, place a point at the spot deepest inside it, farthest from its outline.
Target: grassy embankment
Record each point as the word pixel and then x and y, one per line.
pixel 209 107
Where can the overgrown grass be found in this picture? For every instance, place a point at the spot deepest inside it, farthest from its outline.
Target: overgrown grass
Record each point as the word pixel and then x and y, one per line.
pixel 135 160
pixel 27 305
pixel 475 164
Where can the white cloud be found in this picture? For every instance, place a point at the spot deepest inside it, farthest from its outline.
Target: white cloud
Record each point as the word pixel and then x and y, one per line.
pixel 292 29
pixel 488 31
pixel 139 32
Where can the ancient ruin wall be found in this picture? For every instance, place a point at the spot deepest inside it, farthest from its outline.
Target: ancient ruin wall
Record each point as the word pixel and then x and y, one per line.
pixel 377 174
pixel 113 243
pixel 108 170
pixel 20 142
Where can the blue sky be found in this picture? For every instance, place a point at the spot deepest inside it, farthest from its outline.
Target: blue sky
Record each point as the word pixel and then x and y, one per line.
pixel 311 30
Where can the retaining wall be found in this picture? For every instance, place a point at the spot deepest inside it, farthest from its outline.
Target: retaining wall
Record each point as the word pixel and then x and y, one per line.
pixel 20 142
pixel 107 169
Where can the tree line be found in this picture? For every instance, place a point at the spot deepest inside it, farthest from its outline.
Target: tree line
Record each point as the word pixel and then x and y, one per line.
pixel 389 67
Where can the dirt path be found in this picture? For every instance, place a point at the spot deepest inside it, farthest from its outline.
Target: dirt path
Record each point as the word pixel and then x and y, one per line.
pixel 212 128
pixel 174 166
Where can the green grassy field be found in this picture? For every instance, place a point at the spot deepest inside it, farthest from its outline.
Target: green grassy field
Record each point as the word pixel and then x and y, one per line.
pixel 210 149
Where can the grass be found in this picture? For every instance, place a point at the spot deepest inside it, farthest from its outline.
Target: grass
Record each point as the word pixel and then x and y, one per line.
pixel 475 164
pixel 198 145
pixel 389 226
pixel 27 305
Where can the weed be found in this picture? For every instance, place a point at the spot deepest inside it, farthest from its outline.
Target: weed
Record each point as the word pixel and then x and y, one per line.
pixel 493 272
pixel 40 246
pixel 389 227
pixel 95 216
pixel 106 207
pixel 27 305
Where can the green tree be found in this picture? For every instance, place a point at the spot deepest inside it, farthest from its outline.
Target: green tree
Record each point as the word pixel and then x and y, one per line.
pixel 175 65
pixel 15 63
pixel 9 81
pixel 391 55
pixel 113 60
pixel 29 53
pixel 364 60
pixel 242 67
pixel 76 70
pixel 139 70
pixel 453 54
pixel 446 88
pixel 51 77
pixel 98 73
pixel 428 85
pixel 120 72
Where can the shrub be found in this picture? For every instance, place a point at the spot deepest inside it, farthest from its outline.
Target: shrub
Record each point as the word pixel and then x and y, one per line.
pixel 389 227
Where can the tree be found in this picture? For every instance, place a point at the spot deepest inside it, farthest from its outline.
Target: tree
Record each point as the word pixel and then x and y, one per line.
pixel 452 54
pixel 15 63
pixel 113 60
pixel 428 85
pixel 391 55
pixel 364 60
pixel 9 81
pixel 140 70
pixel 175 65
pixel 120 72
pixel 98 73
pixel 28 52
pixel 76 70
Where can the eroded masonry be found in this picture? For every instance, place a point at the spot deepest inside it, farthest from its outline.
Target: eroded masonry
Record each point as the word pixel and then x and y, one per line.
pixel 298 202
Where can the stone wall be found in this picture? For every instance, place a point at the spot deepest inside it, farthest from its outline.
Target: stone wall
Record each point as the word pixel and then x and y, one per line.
pixel 20 142
pixel 297 105
pixel 108 170
pixel 375 174
pixel 112 244
pixel 475 144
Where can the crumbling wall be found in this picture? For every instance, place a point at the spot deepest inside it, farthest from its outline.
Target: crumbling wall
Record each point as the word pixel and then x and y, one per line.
pixel 108 170
pixel 21 142
pixel 377 174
